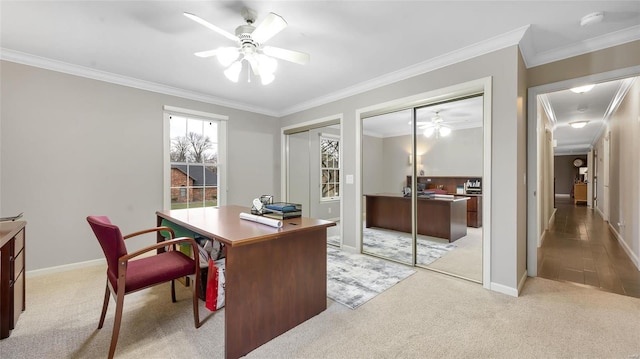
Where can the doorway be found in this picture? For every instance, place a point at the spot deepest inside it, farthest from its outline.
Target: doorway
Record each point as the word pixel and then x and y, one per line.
pixel 577 240
pixel 311 154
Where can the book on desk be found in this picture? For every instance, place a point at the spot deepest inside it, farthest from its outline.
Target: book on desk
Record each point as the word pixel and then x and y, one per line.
pixel 282 210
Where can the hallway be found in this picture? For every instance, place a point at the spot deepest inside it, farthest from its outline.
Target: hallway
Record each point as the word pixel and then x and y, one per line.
pixel 580 248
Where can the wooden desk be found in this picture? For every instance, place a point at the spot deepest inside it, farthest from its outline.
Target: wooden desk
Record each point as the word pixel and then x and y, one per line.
pixel 12 280
pixel 276 278
pixel 443 218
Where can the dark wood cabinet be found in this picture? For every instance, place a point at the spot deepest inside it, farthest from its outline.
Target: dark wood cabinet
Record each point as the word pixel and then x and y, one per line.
pixel 12 277
pixel 474 211
pixel 449 185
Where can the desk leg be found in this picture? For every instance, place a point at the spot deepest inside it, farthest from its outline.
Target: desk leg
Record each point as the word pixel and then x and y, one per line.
pixel 271 287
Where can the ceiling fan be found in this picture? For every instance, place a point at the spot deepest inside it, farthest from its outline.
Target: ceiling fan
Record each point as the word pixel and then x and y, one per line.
pixel 435 126
pixel 249 46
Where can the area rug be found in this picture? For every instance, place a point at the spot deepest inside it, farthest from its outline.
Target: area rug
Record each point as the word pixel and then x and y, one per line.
pixel 397 246
pixel 353 279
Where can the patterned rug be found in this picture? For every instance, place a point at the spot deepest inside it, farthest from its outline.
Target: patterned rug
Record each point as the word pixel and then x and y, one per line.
pixel 397 246
pixel 353 279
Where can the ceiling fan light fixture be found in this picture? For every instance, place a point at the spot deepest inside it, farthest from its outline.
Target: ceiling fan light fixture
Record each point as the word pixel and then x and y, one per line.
pixel 578 124
pixel 429 131
pixel 227 55
pixel 444 131
pixel 267 78
pixel 582 89
pixel 266 64
pixel 233 72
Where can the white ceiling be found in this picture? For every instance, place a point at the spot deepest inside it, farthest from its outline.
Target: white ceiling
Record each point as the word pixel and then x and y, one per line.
pixel 354 45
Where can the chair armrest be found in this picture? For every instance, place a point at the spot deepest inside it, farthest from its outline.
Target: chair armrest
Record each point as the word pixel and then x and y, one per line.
pixel 156 229
pixel 169 242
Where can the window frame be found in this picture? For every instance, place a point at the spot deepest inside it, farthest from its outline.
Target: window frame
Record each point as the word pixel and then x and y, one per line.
pixel 336 181
pixel 169 111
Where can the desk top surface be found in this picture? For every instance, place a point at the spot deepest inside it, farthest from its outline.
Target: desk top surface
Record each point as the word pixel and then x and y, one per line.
pixel 10 229
pixel 455 198
pixel 224 224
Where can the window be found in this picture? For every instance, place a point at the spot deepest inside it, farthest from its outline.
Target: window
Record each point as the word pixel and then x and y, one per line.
pixel 194 160
pixel 329 167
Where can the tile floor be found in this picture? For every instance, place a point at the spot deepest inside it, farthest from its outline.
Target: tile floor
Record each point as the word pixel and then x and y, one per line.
pixel 581 249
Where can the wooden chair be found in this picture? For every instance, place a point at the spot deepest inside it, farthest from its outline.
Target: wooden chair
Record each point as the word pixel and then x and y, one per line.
pixel 126 274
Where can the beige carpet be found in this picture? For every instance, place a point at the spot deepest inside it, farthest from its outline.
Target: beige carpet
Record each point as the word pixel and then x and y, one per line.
pixel 428 315
pixel 466 259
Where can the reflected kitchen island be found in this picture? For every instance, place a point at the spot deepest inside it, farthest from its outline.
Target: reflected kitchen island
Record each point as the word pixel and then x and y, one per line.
pixel 437 217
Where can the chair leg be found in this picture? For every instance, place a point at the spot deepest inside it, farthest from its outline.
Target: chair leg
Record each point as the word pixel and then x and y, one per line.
pixel 116 322
pixel 105 304
pixel 173 291
pixel 194 289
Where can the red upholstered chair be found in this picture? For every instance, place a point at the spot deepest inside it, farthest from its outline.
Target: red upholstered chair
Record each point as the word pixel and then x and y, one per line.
pixel 126 274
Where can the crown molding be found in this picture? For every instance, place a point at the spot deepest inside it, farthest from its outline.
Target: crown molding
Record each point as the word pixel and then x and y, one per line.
pixel 620 37
pixel 87 72
pixel 548 109
pixel 484 47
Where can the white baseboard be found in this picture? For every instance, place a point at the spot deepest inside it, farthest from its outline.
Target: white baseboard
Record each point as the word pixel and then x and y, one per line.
pixel 521 283
pixel 567 195
pixel 500 288
pixel 600 213
pixel 64 268
pixel 634 257
pixel 350 249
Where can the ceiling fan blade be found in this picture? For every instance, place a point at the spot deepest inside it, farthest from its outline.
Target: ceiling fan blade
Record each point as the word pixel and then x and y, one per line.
pixel 270 26
pixel 210 26
pixel 207 53
pixel 287 55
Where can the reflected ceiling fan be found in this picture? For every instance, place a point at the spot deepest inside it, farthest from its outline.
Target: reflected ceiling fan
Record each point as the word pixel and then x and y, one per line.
pixel 435 126
pixel 249 46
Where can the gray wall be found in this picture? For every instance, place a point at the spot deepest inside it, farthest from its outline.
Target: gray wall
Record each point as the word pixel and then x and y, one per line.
pixel 624 166
pixel 508 145
pixel 566 172
pixel 73 147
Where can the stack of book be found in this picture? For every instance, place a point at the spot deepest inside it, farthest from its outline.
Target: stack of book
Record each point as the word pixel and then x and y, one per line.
pixel 282 210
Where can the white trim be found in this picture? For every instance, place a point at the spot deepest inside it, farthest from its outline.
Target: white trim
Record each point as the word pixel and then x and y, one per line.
pixel 634 257
pixel 533 207
pixel 504 289
pixel 480 85
pixel 590 45
pixel 284 167
pixel 179 111
pixel 523 279
pixel 77 70
pixel 481 48
pixel 222 149
pixel 65 268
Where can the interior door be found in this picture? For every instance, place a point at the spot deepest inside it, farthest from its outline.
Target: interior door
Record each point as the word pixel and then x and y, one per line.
pixel 298 170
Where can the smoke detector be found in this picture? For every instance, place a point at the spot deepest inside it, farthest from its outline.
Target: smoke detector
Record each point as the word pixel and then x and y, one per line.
pixel 593 18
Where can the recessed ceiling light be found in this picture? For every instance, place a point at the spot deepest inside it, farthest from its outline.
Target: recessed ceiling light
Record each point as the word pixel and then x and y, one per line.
pixel 593 18
pixel 582 89
pixel 578 124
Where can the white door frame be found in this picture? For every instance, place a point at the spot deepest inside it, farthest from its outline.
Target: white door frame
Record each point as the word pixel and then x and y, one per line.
pixel 484 85
pixel 284 158
pixel 533 154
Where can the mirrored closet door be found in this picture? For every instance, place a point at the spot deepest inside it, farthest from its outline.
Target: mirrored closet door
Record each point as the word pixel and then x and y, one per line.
pixel 435 219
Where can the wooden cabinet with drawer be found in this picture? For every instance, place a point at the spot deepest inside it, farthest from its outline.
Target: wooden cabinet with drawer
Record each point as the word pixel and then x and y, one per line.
pixel 12 276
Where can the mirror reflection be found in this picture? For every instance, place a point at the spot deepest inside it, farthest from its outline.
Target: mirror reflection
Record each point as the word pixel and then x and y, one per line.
pixel 447 190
